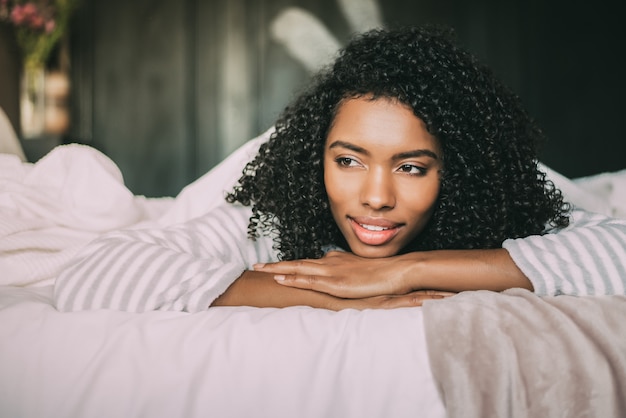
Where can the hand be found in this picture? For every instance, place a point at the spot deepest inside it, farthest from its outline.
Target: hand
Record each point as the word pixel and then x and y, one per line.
pixel 343 275
pixel 346 276
pixel 408 300
pixel 254 288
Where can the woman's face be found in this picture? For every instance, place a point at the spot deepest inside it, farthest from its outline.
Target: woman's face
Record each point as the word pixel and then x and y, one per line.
pixel 381 172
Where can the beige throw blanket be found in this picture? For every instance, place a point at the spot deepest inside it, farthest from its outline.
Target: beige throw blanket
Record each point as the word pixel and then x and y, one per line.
pixel 514 354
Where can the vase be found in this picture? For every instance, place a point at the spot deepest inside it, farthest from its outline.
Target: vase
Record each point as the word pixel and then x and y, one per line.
pixel 33 101
pixel 56 102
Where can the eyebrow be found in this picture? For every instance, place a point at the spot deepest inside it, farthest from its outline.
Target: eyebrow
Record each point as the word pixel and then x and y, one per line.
pixel 399 156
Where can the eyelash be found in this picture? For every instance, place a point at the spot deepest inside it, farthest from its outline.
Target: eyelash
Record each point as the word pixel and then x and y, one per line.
pixel 420 170
pixel 345 161
pixel 349 162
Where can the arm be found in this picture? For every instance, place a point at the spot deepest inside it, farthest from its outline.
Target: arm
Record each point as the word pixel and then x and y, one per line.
pixel 586 258
pixel 349 276
pixel 261 290
pixel 460 270
pixel 186 267
pixel 183 267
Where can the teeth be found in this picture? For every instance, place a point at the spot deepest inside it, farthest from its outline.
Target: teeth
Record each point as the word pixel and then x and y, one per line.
pixel 373 227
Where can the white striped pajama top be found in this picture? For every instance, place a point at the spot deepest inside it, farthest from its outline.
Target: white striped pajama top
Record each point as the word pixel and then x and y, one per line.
pixel 587 258
pixel 187 266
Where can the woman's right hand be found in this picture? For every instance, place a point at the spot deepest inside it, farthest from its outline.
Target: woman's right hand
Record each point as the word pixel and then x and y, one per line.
pixel 408 300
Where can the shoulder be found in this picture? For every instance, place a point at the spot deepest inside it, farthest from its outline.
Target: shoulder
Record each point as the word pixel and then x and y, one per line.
pixel 227 226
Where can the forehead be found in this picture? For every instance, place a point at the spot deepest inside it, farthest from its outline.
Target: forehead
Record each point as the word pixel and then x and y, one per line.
pixel 380 123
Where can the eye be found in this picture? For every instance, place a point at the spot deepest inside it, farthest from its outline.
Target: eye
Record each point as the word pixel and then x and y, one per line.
pixel 412 169
pixel 346 162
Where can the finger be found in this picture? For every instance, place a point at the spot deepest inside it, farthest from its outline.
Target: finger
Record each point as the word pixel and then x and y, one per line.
pixel 411 300
pixel 303 281
pixel 332 285
pixel 435 292
pixel 290 267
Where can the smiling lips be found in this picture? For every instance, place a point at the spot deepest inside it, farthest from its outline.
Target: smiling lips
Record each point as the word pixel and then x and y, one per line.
pixel 374 231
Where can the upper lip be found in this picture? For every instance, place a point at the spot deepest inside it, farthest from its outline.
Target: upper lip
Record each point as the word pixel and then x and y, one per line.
pixel 381 222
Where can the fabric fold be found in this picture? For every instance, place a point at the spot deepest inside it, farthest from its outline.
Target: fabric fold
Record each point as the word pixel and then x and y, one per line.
pixel 516 354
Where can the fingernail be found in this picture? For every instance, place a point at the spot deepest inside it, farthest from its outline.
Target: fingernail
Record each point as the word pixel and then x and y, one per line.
pixel 279 277
pixel 258 266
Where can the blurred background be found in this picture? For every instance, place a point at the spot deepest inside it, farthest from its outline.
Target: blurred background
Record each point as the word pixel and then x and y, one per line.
pixel 168 88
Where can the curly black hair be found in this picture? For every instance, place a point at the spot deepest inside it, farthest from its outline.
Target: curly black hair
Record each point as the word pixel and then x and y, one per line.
pixel 491 187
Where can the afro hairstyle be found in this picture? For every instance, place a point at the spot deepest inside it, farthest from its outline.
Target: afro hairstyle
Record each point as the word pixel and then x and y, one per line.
pixel 491 187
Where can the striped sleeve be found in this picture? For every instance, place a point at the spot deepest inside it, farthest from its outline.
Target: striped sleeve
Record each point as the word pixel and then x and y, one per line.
pixel 183 267
pixel 586 258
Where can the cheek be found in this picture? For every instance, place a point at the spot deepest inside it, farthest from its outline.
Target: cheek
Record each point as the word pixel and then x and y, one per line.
pixel 337 187
pixel 422 201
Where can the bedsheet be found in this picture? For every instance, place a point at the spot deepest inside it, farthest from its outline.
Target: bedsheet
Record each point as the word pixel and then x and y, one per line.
pixel 225 362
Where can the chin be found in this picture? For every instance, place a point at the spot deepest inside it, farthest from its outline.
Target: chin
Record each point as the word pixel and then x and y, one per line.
pixel 374 252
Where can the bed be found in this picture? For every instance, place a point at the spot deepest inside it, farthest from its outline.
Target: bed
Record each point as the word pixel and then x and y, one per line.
pixel 477 354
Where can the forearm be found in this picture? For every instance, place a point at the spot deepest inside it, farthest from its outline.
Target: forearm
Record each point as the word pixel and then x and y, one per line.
pixel 588 258
pixel 260 290
pixel 460 270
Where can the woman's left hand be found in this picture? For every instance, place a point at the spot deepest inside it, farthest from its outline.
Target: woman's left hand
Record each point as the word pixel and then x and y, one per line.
pixel 342 274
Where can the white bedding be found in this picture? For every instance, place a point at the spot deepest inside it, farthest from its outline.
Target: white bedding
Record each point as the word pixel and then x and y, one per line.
pixel 225 362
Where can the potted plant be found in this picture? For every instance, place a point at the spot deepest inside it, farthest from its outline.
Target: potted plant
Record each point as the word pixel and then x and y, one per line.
pixel 39 25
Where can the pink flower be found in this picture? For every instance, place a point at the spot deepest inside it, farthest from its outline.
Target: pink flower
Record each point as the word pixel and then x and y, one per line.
pixel 17 15
pixel 36 22
pixel 30 9
pixel 29 15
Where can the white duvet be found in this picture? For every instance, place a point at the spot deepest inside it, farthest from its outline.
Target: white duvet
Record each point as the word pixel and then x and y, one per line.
pixel 226 362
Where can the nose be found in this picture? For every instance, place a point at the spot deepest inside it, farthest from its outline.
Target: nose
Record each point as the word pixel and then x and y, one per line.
pixel 377 189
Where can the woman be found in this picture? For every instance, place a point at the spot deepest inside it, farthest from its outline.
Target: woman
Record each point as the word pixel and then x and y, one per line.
pixel 406 172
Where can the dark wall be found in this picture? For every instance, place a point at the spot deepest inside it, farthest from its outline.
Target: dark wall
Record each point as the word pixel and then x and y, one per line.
pixel 168 88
